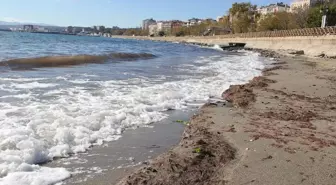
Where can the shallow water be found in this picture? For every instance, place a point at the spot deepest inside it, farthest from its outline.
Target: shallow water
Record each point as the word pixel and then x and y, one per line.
pixel 47 113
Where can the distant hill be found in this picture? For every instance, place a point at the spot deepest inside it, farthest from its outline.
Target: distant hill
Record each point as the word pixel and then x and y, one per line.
pixel 4 23
pixel 7 25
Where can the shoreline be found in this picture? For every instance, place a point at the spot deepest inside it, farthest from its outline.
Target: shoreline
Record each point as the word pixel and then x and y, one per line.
pixel 203 150
pixel 112 173
pixel 312 46
pixel 198 88
pixel 276 129
pixel 256 138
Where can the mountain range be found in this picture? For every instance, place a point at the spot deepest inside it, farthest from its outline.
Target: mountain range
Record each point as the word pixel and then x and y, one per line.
pixel 4 23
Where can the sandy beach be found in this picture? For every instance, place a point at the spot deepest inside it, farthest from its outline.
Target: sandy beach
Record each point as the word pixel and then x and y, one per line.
pixel 277 129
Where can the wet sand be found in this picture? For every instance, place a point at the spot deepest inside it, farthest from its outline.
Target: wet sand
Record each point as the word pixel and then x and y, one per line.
pixel 277 129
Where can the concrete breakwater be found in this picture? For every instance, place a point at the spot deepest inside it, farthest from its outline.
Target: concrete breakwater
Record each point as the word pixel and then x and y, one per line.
pixel 311 45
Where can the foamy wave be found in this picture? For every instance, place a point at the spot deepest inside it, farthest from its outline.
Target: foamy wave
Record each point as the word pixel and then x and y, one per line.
pixel 77 118
pixel 35 175
pixel 19 96
pixel 22 79
pixel 33 85
pixel 217 47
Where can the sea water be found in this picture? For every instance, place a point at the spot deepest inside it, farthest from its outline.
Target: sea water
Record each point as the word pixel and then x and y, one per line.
pixel 48 113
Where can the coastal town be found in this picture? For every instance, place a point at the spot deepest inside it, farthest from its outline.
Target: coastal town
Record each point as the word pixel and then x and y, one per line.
pixel 263 18
pixel 223 24
pixel 164 27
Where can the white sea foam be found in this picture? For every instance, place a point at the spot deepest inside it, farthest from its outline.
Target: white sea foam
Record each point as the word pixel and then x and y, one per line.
pixel 21 79
pixel 35 176
pixel 19 96
pixel 76 118
pixel 217 47
pixel 32 85
pixel 82 81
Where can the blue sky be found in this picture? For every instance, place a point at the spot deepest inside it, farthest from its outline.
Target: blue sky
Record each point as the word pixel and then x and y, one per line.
pixel 123 13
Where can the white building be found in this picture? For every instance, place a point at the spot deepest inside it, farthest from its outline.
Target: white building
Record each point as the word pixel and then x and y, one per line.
pixel 274 8
pixel 146 23
pixel 153 29
pixel 165 26
pixel 159 26
pixel 42 29
pixel 302 4
pixel 195 21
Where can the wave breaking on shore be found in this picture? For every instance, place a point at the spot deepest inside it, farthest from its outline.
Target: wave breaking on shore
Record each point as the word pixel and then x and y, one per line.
pixel 46 118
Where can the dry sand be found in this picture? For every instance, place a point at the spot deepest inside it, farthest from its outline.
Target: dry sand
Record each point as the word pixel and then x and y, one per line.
pixel 278 129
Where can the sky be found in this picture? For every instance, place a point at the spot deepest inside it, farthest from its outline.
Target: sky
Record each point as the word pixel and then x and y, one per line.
pixel 122 13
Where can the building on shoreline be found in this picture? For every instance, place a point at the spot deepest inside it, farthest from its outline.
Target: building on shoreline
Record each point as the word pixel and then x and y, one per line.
pixel 165 26
pixel 146 23
pixel 153 29
pixel 274 8
pixel 194 21
pixel 28 28
pixel 303 4
pixel 209 20
pixel 31 28
pixel 223 19
pixel 176 25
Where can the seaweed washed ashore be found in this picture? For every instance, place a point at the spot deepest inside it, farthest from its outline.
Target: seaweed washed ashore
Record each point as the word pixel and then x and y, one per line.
pixel 63 61
pixel 272 130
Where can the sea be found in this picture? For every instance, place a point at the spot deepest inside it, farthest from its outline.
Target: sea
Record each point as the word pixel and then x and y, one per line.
pixel 53 112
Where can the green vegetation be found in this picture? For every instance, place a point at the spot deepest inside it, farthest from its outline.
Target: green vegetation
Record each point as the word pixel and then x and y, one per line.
pixel 180 34
pixel 198 150
pixel 277 21
pixel 241 18
pixel 183 122
pixel 133 31
pixel 314 17
pixel 161 33
pixel 244 17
